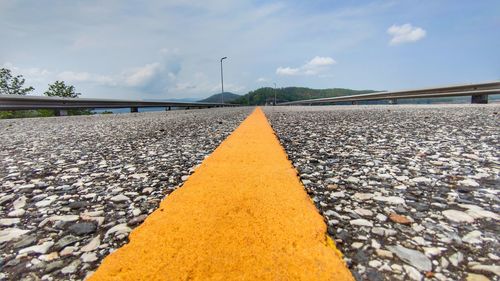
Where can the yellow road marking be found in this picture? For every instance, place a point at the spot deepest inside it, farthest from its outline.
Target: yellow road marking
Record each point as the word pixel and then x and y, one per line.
pixel 243 215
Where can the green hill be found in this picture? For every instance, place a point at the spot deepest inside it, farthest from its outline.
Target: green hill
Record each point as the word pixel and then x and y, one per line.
pixel 228 97
pixel 266 95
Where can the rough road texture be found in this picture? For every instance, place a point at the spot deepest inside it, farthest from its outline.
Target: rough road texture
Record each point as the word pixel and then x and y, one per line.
pixel 409 192
pixel 242 215
pixel 72 188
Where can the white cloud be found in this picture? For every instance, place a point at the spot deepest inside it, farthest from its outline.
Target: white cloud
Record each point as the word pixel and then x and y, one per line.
pixel 320 61
pixel 70 76
pixel 287 71
pixel 315 66
pixel 30 73
pixel 405 33
pixel 262 79
pixel 141 75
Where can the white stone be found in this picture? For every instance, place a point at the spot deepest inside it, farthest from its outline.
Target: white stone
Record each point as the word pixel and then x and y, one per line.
pixel 495 269
pixel 420 240
pixel 65 218
pixel 378 231
pixel 384 176
pixel 471 156
pixel 330 213
pixel 49 257
pixel 67 251
pixel 468 182
pixel 444 262
pixel 412 272
pixel 381 217
pixel 458 216
pixel 396 267
pixel 456 258
pixel 413 257
pixel 357 245
pixel 352 180
pixel 71 268
pixel 363 196
pixel 6 198
pixel 476 277
pixel 337 194
pixel 19 202
pixel 361 222
pixel 9 234
pixel 136 212
pixel 306 182
pixel 384 253
pixel 88 257
pixel 374 263
pixel 363 212
pixel 93 213
pixel 139 176
pixel 421 180
pixel 26 186
pixel 147 190
pixel 400 187
pixel 417 227
pixel 390 199
pixel 493 256
pixel 118 229
pixel 92 245
pixel 17 213
pixel 120 198
pixel 473 237
pixel 47 201
pixel 402 178
pixel 9 222
pixel 478 212
pixel 40 249
pixel 433 251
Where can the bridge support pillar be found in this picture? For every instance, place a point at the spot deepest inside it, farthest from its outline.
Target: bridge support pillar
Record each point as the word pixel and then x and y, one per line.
pixel 61 112
pixel 481 99
pixel 354 102
pixel 393 101
pixel 168 108
pixel 134 109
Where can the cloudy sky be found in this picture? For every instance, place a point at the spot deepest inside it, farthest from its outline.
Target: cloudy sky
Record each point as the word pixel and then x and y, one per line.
pixel 171 48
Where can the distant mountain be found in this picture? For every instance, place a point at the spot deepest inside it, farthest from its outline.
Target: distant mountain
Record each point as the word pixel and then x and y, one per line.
pixel 266 95
pixel 176 100
pixel 228 97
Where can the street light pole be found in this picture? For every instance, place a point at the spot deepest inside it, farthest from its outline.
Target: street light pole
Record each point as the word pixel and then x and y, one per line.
pixel 274 94
pixel 222 80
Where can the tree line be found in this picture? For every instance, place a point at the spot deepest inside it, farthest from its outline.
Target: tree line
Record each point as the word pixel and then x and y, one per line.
pixel 266 95
pixel 14 85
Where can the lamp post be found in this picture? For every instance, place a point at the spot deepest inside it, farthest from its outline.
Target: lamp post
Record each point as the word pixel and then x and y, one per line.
pixel 274 94
pixel 222 80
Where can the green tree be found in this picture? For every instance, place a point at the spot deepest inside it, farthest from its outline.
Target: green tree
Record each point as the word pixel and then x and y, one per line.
pixel 60 89
pixel 12 85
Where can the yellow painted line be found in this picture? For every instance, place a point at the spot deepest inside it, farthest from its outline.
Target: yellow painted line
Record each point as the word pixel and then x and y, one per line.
pixel 243 215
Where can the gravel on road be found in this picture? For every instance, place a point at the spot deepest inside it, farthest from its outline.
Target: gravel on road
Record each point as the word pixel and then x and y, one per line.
pixel 72 188
pixel 408 192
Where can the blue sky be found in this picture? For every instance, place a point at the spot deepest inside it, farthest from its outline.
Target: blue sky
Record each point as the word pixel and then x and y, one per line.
pixel 171 49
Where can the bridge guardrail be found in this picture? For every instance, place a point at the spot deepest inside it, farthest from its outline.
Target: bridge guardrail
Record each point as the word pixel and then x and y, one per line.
pixel 479 93
pixel 16 102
